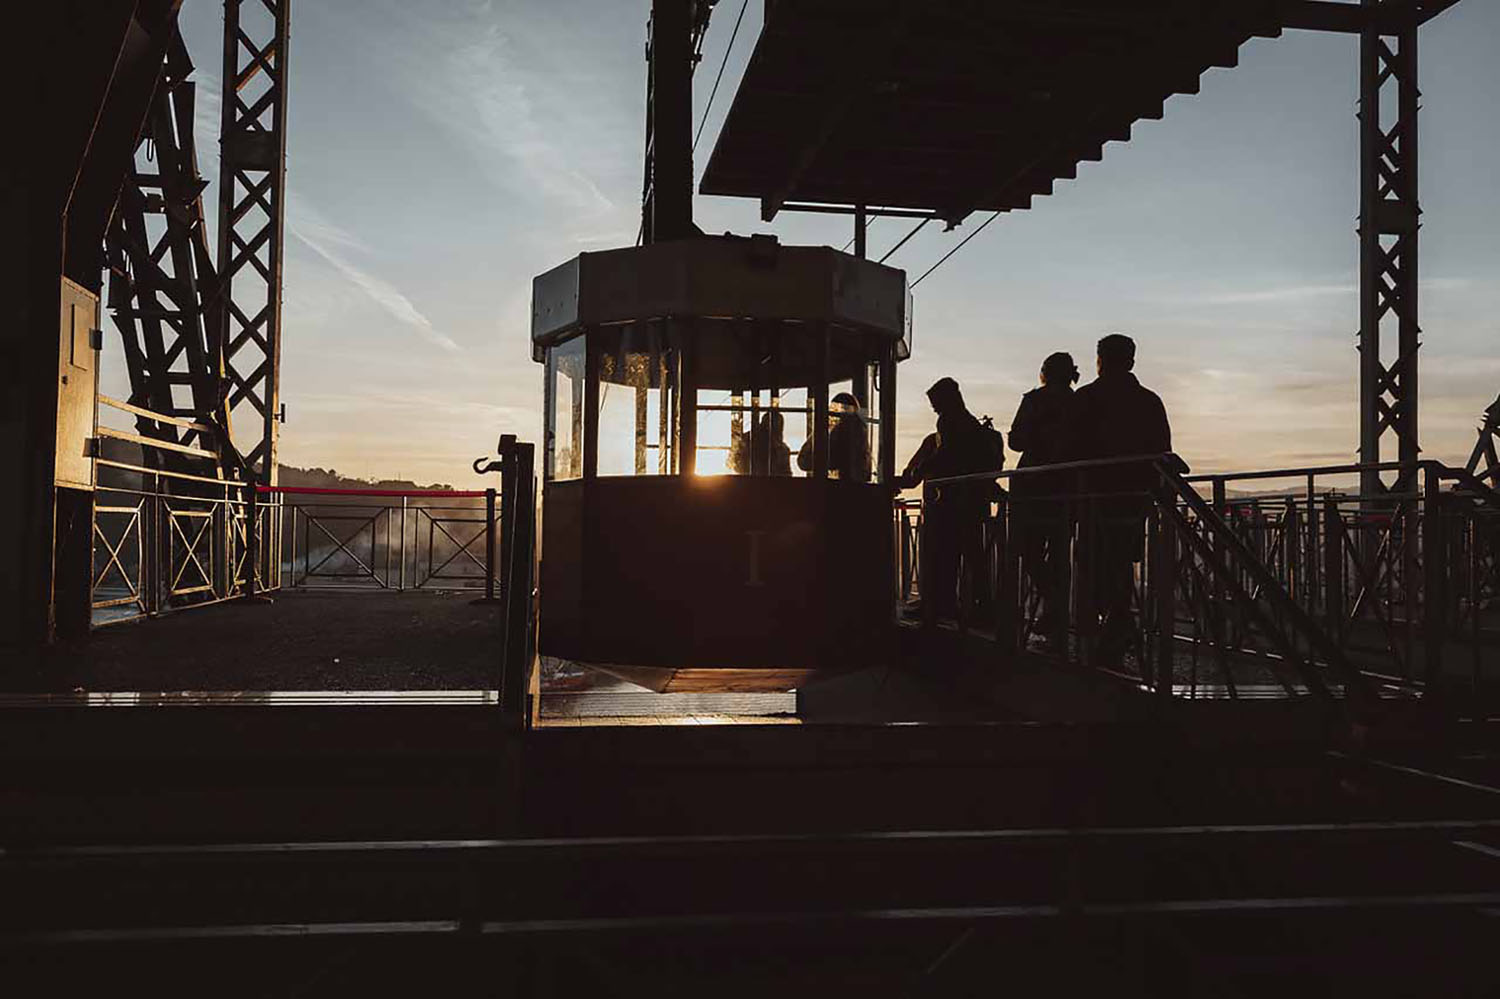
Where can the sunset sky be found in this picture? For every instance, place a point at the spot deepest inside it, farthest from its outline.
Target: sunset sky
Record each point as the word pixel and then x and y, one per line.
pixel 442 154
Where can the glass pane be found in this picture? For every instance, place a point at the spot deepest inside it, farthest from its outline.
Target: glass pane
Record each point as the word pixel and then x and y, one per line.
pixel 795 405
pixel 565 365
pixel 872 419
pixel 763 448
pixel 720 429
pixel 635 402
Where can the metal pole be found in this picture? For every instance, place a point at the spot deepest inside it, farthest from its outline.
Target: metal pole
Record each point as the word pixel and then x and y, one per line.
pixel 1220 599
pixel 1164 582
pixel 1389 224
pixel 402 554
pixel 670 115
pixel 1434 579
pixel 861 224
pixel 1370 484
pixel 924 561
pixel 517 484
pixel 489 543
pixel 252 539
pixel 819 429
pixel 687 398
pixel 252 188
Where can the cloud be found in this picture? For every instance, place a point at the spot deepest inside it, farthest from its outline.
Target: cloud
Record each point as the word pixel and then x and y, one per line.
pixel 1293 293
pixel 469 76
pixel 1285 293
pixel 331 243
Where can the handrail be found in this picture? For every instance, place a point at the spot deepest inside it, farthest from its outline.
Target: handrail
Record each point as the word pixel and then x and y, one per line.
pixel 1270 586
pixel 1062 466
pixel 127 407
pixel 188 449
pixel 1277 473
pixel 1287 473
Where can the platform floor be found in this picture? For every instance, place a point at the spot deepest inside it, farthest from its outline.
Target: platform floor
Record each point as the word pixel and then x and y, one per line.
pixel 299 641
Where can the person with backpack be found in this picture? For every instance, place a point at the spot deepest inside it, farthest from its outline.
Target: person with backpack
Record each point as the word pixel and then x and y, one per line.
pixel 953 514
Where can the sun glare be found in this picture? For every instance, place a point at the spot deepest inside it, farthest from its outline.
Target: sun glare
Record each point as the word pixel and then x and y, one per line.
pixel 712 462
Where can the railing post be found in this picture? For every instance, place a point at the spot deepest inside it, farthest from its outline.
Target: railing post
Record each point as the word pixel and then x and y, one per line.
pixel 1333 568
pixel 489 538
pixel 1009 629
pixel 518 549
pixel 1434 578
pixel 252 540
pixel 1220 597
pixel 924 561
pixel 1163 579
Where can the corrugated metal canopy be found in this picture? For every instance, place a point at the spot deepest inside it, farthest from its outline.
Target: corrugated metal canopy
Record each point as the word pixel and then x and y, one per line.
pixel 958 105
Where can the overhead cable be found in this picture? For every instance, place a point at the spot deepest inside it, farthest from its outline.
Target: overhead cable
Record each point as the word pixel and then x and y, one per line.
pixel 915 229
pixel 951 252
pixel 722 63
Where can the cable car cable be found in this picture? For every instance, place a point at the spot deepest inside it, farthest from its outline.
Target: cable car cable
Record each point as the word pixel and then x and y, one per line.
pixel 951 252
pixel 915 229
pixel 722 63
pixel 868 224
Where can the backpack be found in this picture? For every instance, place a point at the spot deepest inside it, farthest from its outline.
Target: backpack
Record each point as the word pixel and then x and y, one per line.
pixel 994 442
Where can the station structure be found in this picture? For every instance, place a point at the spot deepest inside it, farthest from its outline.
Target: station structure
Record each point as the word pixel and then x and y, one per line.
pixel 1292 780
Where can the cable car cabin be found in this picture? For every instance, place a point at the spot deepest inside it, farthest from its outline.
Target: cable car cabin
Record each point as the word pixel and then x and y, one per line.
pixel 718 461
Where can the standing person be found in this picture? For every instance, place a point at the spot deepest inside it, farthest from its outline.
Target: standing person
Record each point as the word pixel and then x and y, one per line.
pixel 1115 416
pixel 766 453
pixel 952 520
pixel 1040 524
pixel 848 442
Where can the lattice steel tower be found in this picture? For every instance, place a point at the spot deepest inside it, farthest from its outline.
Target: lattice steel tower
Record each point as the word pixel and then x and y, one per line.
pixel 252 206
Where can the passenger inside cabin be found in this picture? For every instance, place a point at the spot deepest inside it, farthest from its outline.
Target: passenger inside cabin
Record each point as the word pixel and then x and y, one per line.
pixel 768 453
pixel 848 442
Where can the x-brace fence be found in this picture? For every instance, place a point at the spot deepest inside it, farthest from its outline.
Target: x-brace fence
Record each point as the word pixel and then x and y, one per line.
pixel 339 539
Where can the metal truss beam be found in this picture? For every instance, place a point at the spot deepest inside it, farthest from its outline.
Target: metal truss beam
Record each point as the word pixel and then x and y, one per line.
pixel 163 288
pixel 1484 462
pixel 1390 219
pixel 252 196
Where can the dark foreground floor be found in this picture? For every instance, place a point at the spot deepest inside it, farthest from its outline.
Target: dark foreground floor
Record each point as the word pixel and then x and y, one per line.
pixel 301 641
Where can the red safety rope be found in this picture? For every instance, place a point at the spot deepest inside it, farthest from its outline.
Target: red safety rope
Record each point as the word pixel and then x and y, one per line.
pixel 308 490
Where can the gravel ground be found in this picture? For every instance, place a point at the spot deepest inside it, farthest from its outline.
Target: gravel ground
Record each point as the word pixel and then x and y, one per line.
pixel 301 641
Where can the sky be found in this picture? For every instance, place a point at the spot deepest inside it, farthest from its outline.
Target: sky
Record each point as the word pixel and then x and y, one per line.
pixel 442 154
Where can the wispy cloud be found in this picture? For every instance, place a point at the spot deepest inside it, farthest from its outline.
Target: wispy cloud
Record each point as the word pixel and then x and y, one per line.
pixel 1259 296
pixel 332 243
pixel 1291 293
pixel 471 77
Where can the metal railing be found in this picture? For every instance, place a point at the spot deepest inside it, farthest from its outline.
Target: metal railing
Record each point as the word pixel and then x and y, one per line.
pixel 374 539
pixel 165 537
pixel 1233 594
pixel 170 532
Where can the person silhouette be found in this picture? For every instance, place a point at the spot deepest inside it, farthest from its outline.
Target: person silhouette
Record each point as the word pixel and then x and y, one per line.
pixel 766 453
pixel 952 520
pixel 1040 524
pixel 848 442
pixel 1115 416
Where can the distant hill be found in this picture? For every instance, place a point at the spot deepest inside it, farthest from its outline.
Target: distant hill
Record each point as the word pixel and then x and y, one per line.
pixel 327 478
